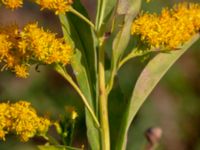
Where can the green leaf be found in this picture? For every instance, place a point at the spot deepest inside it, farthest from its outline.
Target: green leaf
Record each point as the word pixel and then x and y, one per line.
pixel 149 78
pixel 83 63
pixel 82 78
pixel 105 9
pixel 130 9
pixel 86 37
pixel 60 147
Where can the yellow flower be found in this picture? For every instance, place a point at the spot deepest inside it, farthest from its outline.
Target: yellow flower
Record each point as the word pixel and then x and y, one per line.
pixel 43 126
pixel 171 28
pixel 74 115
pixel 59 6
pixel 44 46
pixel 2 134
pixel 11 61
pixel 32 45
pixel 4 122
pixel 5 45
pixel 13 4
pixel 21 71
pixel 12 33
pixel 21 119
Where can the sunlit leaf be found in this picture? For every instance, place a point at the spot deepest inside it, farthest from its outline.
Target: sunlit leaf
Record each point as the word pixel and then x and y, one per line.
pixel 83 64
pixel 149 78
pixel 86 37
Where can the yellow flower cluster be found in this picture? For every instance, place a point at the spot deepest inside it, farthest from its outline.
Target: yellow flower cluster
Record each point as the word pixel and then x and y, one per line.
pixel 12 3
pixel 171 28
pixel 32 45
pixel 59 6
pixel 20 118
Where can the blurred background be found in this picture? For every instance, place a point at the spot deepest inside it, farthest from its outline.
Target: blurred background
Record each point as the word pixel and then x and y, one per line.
pixel 174 105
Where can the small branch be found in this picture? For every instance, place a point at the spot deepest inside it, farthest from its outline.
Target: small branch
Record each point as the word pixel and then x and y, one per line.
pixel 62 72
pixel 136 53
pixel 82 17
pixel 50 139
pixel 132 54
pixel 115 67
pixel 72 133
pixel 112 77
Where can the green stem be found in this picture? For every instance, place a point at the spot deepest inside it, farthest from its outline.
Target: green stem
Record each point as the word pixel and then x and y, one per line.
pixel 82 17
pixel 116 66
pixel 132 54
pixel 112 77
pixel 72 132
pixel 103 103
pixel 136 53
pixel 50 139
pixel 62 72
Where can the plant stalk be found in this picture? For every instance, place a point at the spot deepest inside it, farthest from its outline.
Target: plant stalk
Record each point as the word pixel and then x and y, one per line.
pixel 137 53
pixel 112 77
pixel 62 72
pixel 82 17
pixel 103 103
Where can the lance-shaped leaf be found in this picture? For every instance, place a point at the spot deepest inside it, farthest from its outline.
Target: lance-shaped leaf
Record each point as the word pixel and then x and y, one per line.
pixel 149 78
pixel 83 64
pixel 86 38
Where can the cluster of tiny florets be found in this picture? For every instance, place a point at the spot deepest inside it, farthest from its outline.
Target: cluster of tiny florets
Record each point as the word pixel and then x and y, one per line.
pixel 171 28
pixel 13 4
pixel 21 119
pixel 32 45
pixel 59 6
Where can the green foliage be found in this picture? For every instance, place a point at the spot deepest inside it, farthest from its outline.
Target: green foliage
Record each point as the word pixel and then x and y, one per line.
pixel 105 10
pixel 146 82
pixel 80 67
pixel 129 9
pixel 88 66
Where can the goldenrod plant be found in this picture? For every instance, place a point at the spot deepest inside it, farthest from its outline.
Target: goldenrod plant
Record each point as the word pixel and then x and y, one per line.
pixel 21 119
pixel 96 51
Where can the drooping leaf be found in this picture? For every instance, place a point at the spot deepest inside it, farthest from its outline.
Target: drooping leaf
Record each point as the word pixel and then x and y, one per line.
pixel 86 37
pixel 149 78
pixel 92 131
pixel 83 64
